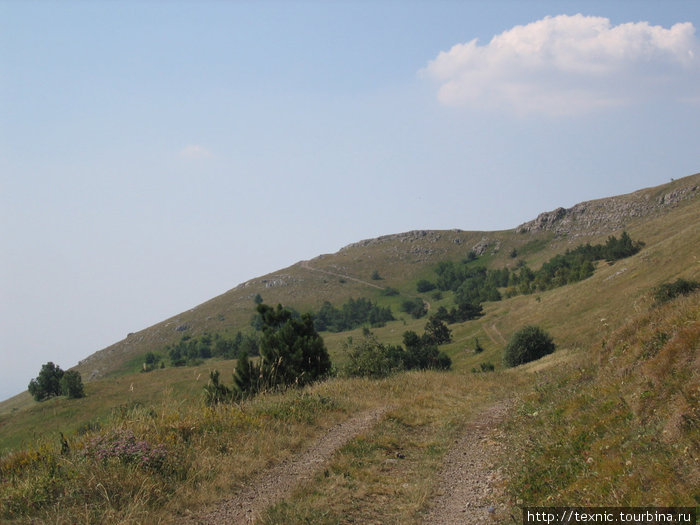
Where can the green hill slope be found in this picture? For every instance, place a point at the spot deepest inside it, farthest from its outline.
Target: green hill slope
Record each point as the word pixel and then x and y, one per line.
pixel 651 214
pixel 212 451
pixel 664 217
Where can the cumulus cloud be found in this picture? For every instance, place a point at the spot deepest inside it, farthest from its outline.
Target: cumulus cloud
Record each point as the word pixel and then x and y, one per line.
pixel 565 65
pixel 194 151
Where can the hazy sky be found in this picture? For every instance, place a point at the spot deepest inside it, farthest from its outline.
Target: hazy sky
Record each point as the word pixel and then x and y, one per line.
pixel 156 154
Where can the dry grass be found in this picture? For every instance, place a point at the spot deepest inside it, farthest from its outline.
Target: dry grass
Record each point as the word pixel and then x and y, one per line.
pixel 212 451
pixel 389 474
pixel 618 425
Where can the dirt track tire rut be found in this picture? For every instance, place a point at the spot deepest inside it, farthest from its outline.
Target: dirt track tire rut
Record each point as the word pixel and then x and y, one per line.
pixel 274 484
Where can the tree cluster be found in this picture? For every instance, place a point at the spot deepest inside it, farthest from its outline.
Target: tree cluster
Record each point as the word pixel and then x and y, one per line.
pixel 352 314
pixel 52 381
pixel 371 358
pixel 460 313
pixel 191 350
pixel 473 285
pixel 415 307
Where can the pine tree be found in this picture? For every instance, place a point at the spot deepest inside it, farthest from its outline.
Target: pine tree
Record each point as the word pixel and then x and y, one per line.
pixel 246 378
pixel 48 383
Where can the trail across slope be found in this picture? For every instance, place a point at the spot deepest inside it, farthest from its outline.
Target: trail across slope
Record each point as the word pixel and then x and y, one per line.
pixel 307 266
pixel 277 483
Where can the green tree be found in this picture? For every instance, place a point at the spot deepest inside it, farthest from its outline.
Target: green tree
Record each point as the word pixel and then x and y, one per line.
pixel 415 307
pixel 291 351
pixel 437 332
pixel 48 383
pixel 422 353
pixel 527 344
pixel 215 392
pixel 72 385
pixel 246 378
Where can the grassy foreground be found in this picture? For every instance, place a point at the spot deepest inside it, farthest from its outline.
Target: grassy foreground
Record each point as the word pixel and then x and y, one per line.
pixel 148 464
pixel 614 424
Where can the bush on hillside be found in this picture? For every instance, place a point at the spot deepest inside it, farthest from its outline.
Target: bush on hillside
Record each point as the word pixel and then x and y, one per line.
pixel 424 286
pixel 436 332
pixel 215 392
pixel 415 307
pixel 422 353
pixel 528 344
pixel 370 358
pixel 668 291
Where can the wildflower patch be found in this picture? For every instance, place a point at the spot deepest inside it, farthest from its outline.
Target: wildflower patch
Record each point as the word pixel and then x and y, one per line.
pixel 123 445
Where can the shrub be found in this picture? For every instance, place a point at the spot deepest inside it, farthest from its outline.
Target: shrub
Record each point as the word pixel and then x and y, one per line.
pixel 424 286
pixel 667 291
pixel 246 378
pixel 436 332
pixel 422 353
pixel 370 358
pixel 528 344
pixel 215 392
pixel 415 307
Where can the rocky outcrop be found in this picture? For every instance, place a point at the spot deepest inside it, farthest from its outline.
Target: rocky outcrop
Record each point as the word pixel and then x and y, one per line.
pixel 484 244
pixel 272 281
pixel 604 216
pixel 408 237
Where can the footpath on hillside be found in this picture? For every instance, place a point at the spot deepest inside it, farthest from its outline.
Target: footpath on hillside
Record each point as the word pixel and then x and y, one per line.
pixel 307 266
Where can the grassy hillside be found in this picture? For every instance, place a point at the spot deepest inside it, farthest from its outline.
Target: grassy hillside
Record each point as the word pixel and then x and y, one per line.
pixel 402 259
pixel 621 388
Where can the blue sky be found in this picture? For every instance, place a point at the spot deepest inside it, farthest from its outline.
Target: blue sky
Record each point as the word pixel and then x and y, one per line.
pixel 156 154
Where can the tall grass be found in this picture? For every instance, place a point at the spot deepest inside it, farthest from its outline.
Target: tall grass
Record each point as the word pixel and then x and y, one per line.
pixel 618 425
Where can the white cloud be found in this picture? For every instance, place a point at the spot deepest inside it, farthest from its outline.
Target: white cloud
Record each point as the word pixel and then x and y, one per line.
pixel 194 151
pixel 567 65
